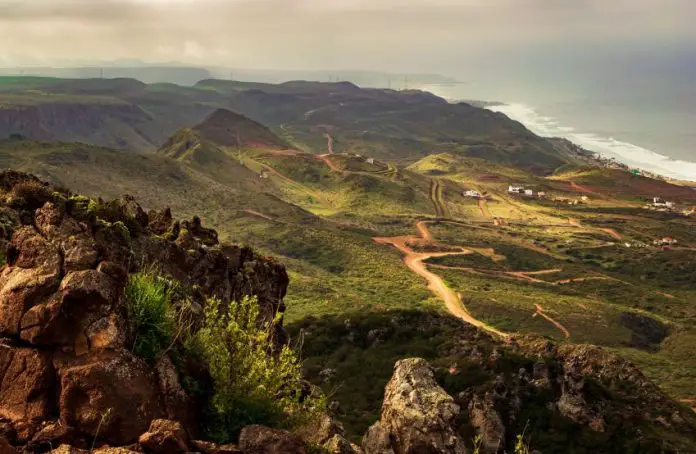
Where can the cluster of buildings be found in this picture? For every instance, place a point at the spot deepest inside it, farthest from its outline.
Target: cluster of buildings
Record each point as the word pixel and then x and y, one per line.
pixel 519 190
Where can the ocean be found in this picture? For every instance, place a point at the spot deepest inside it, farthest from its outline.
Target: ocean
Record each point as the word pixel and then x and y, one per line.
pixel 639 108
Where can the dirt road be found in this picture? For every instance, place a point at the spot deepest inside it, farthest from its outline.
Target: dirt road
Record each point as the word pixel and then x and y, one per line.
pixel 326 160
pixel 329 143
pixel 561 328
pixel 415 262
pixel 581 188
pixel 483 206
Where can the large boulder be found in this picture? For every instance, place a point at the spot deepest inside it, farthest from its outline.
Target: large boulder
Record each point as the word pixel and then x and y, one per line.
pixel 27 383
pixel 165 437
pixel 418 416
pixel 110 395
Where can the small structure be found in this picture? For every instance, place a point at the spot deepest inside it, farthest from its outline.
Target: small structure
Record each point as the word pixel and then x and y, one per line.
pixel 515 189
pixel 658 202
pixel 370 160
pixel 666 241
pixel 263 175
pixel 584 198
pixel 472 193
pixel 541 194
pixel 529 192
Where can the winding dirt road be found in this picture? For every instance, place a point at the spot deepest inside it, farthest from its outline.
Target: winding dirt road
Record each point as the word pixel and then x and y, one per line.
pixel 415 262
pixel 329 143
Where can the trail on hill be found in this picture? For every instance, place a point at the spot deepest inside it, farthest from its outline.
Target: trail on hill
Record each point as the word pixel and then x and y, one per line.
pixel 483 206
pixel 329 143
pixel 415 262
pixel 582 189
pixel 437 198
pixel 540 311
pixel 326 160
pixel 611 232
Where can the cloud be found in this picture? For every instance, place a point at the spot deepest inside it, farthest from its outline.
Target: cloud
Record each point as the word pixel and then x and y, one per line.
pixel 370 34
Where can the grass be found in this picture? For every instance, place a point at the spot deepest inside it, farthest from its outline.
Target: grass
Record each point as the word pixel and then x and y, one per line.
pixel 150 314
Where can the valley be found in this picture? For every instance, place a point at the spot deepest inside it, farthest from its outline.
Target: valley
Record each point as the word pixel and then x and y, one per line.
pixel 365 196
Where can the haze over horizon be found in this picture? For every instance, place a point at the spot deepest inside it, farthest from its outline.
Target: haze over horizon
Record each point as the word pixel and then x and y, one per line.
pixel 444 36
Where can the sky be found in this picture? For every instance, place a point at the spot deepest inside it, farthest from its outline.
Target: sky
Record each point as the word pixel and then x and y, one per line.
pixel 388 35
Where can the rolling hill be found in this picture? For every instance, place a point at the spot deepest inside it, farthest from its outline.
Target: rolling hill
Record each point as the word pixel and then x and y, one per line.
pixel 378 222
pixel 400 126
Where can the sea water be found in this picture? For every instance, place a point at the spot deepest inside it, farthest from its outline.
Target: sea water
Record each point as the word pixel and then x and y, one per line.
pixel 639 108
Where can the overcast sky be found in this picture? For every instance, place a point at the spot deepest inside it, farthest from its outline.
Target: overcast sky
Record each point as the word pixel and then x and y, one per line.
pixel 392 35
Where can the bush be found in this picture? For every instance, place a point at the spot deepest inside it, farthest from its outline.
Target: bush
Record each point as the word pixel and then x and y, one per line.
pixel 252 384
pixel 151 315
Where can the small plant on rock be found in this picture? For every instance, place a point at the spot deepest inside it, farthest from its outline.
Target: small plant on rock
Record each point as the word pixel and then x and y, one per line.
pixel 252 384
pixel 150 312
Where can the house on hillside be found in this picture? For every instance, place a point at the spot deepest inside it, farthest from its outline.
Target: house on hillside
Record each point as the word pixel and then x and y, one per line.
pixel 515 189
pixel 472 193
pixel 658 202
pixel 370 160
pixel 529 192
pixel 541 194
pixel 665 241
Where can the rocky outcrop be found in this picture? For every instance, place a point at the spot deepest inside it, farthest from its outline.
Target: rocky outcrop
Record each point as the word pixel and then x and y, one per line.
pixel 66 372
pixel 418 416
pixel 263 440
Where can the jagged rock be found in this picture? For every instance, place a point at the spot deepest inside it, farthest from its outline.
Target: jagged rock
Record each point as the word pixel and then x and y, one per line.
pixel 263 440
pixel 160 222
pixel 339 445
pixel 32 275
pixel 26 389
pixel 418 416
pixel 110 394
pixel 165 437
pixel 320 430
pixel 487 423
pixel 67 449
pixel 207 447
pixel 176 402
pixel 6 447
pixel 52 434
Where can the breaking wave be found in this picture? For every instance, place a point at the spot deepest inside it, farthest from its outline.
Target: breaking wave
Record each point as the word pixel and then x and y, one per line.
pixel 627 153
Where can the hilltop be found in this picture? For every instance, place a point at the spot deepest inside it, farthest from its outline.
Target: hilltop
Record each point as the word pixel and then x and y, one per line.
pixel 388 124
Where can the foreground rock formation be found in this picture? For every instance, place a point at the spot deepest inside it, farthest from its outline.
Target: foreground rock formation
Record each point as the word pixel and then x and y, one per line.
pixel 67 374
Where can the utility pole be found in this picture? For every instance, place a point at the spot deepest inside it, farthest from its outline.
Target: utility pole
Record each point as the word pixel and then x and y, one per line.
pixel 406 83
pixel 389 83
pixel 231 75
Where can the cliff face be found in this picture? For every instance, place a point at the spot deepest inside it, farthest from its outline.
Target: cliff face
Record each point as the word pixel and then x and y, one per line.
pixel 67 374
pixel 114 124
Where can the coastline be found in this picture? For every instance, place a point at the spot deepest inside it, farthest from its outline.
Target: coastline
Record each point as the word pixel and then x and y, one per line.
pixel 631 155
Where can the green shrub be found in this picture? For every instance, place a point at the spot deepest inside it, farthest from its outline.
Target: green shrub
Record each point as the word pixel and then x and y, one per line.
pixel 252 385
pixel 150 313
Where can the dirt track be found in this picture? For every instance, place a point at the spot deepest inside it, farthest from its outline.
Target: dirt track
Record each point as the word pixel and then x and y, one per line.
pixel 329 143
pixel 414 261
pixel 540 311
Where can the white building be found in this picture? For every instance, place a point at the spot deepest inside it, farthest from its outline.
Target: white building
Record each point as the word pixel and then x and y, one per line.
pixel 472 193
pixel 529 192
pixel 659 202
pixel 515 189
pixel 370 160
